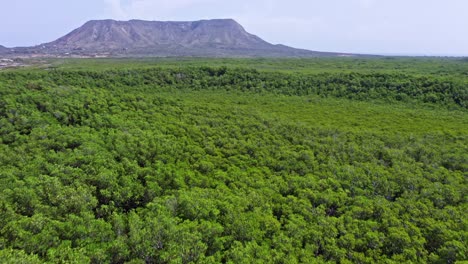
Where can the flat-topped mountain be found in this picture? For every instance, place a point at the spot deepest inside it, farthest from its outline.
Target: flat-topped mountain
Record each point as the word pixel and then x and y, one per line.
pixel 110 34
pixel 205 38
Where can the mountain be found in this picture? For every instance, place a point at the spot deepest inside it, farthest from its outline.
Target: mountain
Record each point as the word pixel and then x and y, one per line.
pixel 204 38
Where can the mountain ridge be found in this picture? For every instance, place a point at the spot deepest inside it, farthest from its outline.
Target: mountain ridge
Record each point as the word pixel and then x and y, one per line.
pixel 202 38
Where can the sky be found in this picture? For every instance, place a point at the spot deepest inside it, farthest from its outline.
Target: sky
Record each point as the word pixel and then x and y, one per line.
pixel 389 27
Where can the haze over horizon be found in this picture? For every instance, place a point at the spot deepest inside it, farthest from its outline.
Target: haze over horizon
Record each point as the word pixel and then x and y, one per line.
pixel 397 27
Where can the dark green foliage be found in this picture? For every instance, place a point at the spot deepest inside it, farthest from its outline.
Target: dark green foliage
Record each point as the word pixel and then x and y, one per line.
pixel 232 165
pixel 389 87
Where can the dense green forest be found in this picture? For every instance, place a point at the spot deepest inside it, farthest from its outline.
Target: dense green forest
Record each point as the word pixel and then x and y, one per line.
pixel 235 161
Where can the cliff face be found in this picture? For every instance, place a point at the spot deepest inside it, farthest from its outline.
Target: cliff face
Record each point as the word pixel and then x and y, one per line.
pixel 110 34
pixel 204 38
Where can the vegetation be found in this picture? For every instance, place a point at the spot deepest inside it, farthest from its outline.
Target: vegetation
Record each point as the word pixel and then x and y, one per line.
pixel 276 162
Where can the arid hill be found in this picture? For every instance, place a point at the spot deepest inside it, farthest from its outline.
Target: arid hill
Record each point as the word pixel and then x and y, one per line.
pixel 204 38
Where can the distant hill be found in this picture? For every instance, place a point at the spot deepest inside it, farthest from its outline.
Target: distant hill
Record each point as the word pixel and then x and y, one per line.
pixel 204 38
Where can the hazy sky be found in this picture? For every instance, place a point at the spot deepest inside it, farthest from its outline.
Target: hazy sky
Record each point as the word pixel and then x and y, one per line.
pixel 418 27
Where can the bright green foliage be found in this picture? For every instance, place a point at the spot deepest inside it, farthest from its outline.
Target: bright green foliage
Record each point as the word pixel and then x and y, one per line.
pixel 232 165
pixel 18 257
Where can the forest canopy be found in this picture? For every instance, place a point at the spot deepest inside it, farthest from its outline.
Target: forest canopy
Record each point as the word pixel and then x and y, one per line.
pixel 224 163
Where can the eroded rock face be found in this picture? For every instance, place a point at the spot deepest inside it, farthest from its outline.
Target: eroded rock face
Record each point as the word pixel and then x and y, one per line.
pixel 211 38
pixel 105 34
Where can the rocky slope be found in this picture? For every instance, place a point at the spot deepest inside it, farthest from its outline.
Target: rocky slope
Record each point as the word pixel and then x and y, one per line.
pixel 207 38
